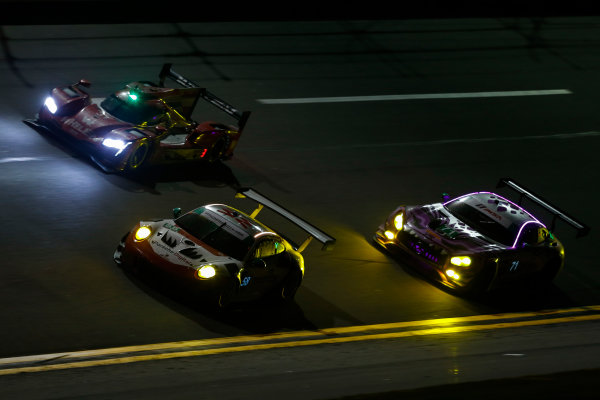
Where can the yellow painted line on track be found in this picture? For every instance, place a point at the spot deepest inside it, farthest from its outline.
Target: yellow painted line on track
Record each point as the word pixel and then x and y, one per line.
pixel 297 334
pixel 329 339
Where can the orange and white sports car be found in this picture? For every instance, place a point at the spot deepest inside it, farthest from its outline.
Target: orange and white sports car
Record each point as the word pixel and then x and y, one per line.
pixel 224 254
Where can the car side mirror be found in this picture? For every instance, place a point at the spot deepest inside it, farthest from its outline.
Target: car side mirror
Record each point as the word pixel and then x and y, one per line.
pixel 176 212
pixel 549 240
pixel 84 83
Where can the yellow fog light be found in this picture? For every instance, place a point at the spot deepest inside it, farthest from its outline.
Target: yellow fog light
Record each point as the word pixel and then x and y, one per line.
pixel 207 272
pixel 462 261
pixel 389 234
pixel 142 233
pixel 452 274
pixel 399 221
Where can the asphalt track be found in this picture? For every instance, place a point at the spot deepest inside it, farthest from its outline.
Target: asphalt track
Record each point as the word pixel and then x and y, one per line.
pixel 342 165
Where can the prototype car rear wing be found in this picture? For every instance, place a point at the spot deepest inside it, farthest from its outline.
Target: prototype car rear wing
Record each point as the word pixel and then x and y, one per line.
pixel 582 229
pixel 168 72
pixel 314 232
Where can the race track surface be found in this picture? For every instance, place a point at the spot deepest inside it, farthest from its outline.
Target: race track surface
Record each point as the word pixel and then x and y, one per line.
pixel 350 118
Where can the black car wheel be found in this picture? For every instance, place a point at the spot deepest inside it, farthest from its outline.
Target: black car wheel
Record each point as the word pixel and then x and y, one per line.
pixel 139 154
pixel 550 271
pixel 482 282
pixel 224 298
pixel 290 285
pixel 217 152
pixel 118 254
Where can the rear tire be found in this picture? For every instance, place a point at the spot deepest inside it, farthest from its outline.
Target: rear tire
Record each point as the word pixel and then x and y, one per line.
pixel 218 150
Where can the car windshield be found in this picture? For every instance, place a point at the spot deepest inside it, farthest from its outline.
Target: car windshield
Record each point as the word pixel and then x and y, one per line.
pixel 133 112
pixel 215 235
pixel 482 223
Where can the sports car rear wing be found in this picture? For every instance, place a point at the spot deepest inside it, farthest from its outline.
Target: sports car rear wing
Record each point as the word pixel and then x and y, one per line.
pixel 168 72
pixel 582 229
pixel 314 232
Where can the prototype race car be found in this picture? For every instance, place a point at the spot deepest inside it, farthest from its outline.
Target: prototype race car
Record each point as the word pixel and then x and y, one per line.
pixel 479 241
pixel 225 255
pixel 142 124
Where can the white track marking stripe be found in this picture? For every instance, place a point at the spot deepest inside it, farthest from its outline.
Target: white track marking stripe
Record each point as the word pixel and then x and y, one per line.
pixel 556 136
pixel 18 159
pixel 424 96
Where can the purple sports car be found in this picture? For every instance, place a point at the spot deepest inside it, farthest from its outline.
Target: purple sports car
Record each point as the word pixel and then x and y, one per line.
pixel 479 241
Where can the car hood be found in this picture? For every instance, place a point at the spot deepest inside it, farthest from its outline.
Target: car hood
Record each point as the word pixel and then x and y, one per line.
pixel 175 246
pixel 435 224
pixel 95 122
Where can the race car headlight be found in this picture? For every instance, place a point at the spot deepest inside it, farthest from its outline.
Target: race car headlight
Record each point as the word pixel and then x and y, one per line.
pixel 399 221
pixel 142 233
pixel 114 143
pixel 389 234
pixel 50 104
pixel 117 144
pixel 461 261
pixel 452 274
pixel 207 272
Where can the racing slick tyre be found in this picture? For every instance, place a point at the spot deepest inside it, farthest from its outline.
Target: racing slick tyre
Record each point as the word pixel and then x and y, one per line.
pixel 482 283
pixel 550 271
pixel 118 254
pixel 132 266
pixel 222 301
pixel 218 150
pixel 290 285
pixel 138 155
pixel 223 298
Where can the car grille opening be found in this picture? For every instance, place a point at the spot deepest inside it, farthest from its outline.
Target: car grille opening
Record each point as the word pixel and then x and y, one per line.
pixel 426 251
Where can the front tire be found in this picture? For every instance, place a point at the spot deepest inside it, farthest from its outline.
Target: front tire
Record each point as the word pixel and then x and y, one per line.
pixel 224 298
pixel 138 155
pixel 482 282
pixel 118 254
pixel 290 285
pixel 550 271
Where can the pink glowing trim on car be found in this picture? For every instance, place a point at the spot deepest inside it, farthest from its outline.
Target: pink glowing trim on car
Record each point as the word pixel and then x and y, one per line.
pixel 521 230
pixel 535 220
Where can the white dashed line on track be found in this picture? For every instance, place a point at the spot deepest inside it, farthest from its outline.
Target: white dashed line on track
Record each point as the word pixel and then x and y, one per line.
pixel 18 159
pixel 424 96
pixel 440 142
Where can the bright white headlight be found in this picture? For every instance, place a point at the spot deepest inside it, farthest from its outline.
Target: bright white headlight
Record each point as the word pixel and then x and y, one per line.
pixel 463 261
pixel 50 104
pixel 399 221
pixel 207 272
pixel 142 233
pixel 114 143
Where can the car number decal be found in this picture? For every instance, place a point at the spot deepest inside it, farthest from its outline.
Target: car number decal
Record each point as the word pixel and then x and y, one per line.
pixel 447 231
pixel 171 227
pixel 245 281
